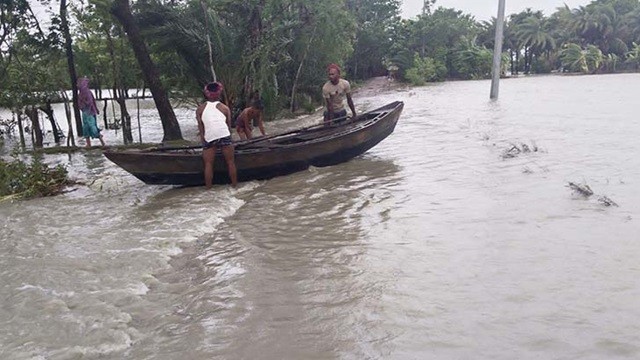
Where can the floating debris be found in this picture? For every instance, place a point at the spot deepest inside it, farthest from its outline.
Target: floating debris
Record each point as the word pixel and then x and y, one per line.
pixel 581 189
pixel 516 150
pixel 585 190
pixel 606 201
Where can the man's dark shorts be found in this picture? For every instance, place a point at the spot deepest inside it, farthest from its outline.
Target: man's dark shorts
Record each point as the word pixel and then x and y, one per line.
pixel 225 141
pixel 336 115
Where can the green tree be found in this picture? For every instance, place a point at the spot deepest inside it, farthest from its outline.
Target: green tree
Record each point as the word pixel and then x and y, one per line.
pixel 32 66
pixel 470 61
pixel 426 70
pixel 121 9
pixel 71 68
pixel 267 51
pixel 575 58
pixel 633 23
pixel 594 58
pixel 375 20
pixel 633 56
pixel 536 36
pixel 104 53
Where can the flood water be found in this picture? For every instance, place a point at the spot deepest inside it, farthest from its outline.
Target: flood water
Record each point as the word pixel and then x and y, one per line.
pixel 432 245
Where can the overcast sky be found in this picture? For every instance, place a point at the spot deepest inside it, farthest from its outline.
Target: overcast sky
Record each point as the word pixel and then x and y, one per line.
pixel 485 9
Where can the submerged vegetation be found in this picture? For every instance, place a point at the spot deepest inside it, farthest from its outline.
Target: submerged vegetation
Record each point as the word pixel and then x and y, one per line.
pixel 585 191
pixel 27 180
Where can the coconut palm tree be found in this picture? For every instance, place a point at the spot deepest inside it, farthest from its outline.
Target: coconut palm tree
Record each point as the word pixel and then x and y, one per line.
pixel 633 24
pixel 600 24
pixel 512 44
pixel 585 24
pixel 573 58
pixel 613 30
pixel 633 56
pixel 594 58
pixel 534 34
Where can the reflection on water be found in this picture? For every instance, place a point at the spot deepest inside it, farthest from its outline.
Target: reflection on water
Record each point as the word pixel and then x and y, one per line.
pixel 431 245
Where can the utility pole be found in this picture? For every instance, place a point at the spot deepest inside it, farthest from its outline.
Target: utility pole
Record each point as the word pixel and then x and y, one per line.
pixel 426 6
pixel 497 51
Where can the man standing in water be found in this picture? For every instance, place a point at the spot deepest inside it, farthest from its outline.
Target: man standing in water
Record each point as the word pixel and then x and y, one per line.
pixel 334 91
pixel 214 122
pixel 87 104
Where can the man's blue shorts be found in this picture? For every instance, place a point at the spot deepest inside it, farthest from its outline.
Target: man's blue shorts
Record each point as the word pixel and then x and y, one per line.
pixel 225 141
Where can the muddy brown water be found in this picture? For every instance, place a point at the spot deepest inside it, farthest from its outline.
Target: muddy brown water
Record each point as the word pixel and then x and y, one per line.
pixel 432 245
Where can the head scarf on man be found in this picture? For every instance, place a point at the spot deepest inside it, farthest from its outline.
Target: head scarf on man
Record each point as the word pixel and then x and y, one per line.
pixel 86 100
pixel 213 90
pixel 334 66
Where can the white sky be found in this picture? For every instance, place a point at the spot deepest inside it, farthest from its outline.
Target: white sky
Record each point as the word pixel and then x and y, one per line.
pixel 481 9
pixel 485 9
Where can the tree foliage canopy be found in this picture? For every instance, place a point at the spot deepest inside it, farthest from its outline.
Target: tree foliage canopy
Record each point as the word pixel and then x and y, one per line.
pixel 280 48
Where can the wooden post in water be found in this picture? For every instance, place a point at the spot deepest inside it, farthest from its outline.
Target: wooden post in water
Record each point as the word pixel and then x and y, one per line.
pixel 497 51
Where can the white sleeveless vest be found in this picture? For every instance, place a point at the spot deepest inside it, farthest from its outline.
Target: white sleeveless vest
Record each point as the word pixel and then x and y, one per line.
pixel 215 122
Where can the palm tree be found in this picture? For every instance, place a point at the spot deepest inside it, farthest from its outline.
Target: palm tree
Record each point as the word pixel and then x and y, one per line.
pixel 611 62
pixel 594 58
pixel 536 38
pixel 585 24
pixel 633 24
pixel 560 24
pixel 600 24
pixel 512 29
pixel 613 30
pixel 573 58
pixel 633 56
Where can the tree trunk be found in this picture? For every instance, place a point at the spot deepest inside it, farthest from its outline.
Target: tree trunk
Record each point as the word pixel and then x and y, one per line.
pixel 206 26
pixel 20 128
pixel 295 81
pixel 32 113
pixel 71 141
pixel 104 115
pixel 64 27
pixel 255 38
pixel 511 55
pixel 125 118
pixel 120 94
pixel 138 113
pixel 122 11
pixel 48 110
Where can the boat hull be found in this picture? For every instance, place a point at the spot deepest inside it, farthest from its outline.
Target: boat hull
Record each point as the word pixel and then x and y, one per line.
pixel 265 159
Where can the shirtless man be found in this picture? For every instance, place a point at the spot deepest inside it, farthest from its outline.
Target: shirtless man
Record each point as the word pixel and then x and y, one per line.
pixel 244 120
pixel 214 123
pixel 334 91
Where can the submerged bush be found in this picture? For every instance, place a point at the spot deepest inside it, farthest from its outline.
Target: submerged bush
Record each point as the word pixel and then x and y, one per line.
pixel 20 179
pixel 426 70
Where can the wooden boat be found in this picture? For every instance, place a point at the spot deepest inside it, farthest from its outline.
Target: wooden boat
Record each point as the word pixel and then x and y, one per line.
pixel 268 156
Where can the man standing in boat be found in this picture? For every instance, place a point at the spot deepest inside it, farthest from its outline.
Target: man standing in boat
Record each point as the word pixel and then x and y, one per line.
pixel 334 91
pixel 214 124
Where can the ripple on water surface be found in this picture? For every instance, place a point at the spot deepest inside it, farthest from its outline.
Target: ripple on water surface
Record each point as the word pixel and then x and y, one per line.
pixel 432 244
